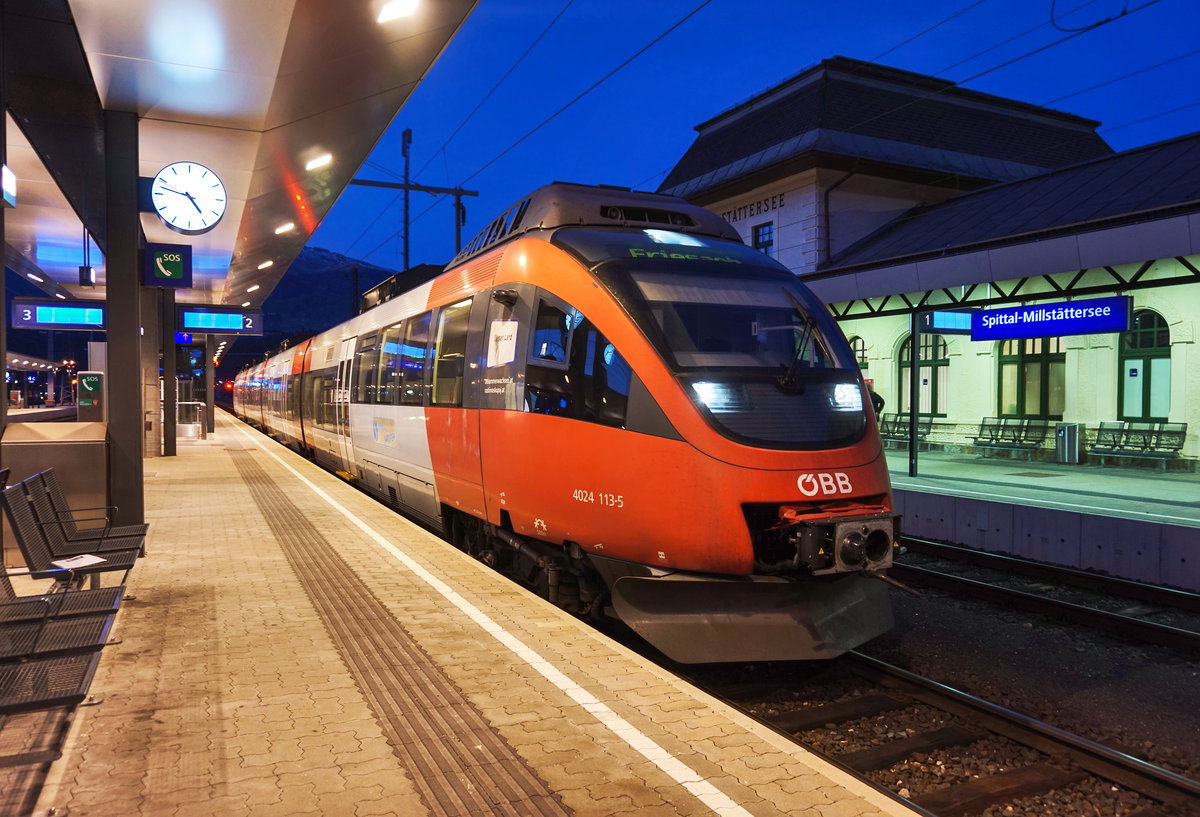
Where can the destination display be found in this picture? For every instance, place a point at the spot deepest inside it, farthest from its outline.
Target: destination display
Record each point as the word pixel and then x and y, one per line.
pixel 1044 320
pixel 219 320
pixel 33 313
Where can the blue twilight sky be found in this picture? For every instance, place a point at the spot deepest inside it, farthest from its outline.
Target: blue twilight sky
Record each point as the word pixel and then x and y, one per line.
pixel 1135 74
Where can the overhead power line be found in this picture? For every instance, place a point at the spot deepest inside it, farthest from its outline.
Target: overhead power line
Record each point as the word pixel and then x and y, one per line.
pixel 591 88
pixel 926 31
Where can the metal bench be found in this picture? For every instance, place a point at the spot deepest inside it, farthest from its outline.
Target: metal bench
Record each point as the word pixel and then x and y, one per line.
pixel 1139 440
pixel 895 427
pixel 1011 434
pixel 35 548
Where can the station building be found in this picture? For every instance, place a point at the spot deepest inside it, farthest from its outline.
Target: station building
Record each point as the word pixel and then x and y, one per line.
pixel 896 195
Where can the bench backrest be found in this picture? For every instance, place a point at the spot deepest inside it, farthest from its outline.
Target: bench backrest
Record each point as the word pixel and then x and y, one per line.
pixel 1139 436
pixel 1171 437
pixel 25 528
pixel 1110 434
pixel 1035 431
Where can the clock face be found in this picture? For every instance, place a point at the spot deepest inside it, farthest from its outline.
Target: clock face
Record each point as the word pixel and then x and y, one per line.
pixel 188 197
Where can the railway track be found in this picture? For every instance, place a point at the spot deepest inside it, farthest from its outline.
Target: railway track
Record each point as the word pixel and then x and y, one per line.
pixel 1160 616
pixel 893 723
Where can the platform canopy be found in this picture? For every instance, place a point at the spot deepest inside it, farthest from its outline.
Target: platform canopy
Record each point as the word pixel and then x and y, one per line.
pixel 259 91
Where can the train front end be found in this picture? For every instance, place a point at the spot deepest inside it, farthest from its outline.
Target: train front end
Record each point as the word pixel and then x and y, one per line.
pixel 775 520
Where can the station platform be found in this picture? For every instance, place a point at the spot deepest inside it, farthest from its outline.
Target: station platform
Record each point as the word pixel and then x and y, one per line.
pixel 296 648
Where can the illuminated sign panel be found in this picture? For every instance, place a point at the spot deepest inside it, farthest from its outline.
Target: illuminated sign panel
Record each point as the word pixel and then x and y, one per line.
pixel 946 323
pixel 167 265
pixel 28 313
pixel 1047 320
pixel 220 320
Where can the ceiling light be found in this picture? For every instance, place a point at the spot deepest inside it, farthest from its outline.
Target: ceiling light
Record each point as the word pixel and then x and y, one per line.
pixel 320 161
pixel 33 277
pixel 245 303
pixel 253 288
pixel 266 264
pixel 60 296
pixel 396 9
pixel 284 228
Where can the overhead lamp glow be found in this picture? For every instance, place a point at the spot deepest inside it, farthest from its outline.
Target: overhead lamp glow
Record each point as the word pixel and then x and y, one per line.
pixel 33 277
pixel 319 162
pixel 285 228
pixel 266 264
pixel 60 296
pixel 395 10
pixel 245 303
pixel 254 288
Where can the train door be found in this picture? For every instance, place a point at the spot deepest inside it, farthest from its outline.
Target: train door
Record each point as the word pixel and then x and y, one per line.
pixel 341 405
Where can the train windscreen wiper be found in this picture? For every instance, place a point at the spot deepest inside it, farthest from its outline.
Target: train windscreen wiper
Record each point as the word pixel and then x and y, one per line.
pixel 790 380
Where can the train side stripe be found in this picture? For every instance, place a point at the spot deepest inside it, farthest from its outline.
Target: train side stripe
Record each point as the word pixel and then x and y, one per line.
pixel 712 797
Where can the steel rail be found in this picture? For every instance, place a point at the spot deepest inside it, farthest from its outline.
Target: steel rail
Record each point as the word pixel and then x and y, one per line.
pixel 1153 781
pixel 1182 600
pixel 1149 632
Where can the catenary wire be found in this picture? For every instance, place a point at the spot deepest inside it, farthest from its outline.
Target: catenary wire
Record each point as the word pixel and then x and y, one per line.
pixel 920 34
pixel 461 125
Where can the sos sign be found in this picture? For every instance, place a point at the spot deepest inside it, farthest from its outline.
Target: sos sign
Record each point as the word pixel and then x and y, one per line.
pixel 167 265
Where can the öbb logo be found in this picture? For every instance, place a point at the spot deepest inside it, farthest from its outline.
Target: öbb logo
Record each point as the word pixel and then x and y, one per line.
pixel 835 483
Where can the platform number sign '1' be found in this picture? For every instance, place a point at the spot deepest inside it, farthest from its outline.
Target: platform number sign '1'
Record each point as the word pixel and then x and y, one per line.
pixel 168 265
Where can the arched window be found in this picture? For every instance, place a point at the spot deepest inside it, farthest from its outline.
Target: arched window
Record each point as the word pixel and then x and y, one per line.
pixel 934 375
pixel 1033 378
pixel 859 347
pixel 1144 385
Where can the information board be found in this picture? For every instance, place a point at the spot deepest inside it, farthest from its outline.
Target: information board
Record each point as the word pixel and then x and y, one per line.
pixel 219 320
pixel 36 313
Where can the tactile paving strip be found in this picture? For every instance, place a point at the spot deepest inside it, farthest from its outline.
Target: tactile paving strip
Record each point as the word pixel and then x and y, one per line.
pixel 459 764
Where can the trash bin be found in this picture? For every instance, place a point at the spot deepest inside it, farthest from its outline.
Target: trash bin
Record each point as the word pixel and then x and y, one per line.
pixel 1067 443
pixel 78 453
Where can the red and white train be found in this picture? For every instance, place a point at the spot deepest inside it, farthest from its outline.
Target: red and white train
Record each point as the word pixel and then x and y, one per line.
pixel 610 396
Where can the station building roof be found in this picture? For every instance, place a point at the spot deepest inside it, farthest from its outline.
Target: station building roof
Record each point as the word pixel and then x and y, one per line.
pixel 844 111
pixel 1151 182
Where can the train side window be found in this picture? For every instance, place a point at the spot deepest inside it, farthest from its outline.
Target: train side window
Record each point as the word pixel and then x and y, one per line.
pixel 366 362
pixel 450 354
pixel 573 370
pixel 414 354
pixel 389 380
pixel 551 335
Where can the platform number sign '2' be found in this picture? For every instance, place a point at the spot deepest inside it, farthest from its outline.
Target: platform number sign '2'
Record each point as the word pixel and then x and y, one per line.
pixel 168 265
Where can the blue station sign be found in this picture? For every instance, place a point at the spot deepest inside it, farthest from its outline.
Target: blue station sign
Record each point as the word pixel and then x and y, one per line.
pixel 1046 320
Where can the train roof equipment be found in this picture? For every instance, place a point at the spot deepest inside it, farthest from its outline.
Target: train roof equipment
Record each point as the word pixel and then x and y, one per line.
pixel 565 204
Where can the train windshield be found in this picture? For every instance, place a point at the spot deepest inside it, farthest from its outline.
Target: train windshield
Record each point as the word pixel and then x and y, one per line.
pixel 759 353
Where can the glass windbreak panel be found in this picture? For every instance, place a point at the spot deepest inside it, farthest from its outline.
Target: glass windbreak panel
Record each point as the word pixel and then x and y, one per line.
pixel 1160 387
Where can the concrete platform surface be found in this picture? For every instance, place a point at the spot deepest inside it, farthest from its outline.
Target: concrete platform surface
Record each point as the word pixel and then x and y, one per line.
pixel 295 648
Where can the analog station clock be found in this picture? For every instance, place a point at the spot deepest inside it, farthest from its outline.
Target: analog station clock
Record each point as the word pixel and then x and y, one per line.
pixel 188 197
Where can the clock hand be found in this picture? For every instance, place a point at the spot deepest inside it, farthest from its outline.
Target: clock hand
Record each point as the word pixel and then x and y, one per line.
pixel 193 201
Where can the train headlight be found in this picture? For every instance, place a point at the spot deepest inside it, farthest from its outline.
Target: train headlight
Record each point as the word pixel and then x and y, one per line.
pixel 722 398
pixel 846 397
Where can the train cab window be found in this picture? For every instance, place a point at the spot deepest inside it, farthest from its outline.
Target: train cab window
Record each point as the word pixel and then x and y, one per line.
pixel 573 370
pixel 389 379
pixel 366 363
pixel 414 354
pixel 450 354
